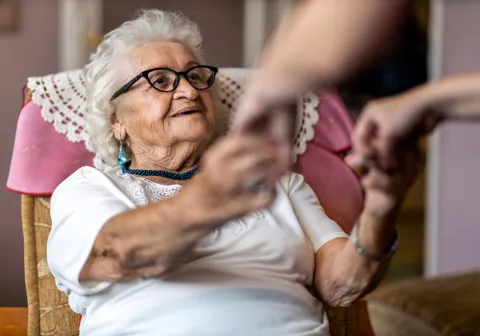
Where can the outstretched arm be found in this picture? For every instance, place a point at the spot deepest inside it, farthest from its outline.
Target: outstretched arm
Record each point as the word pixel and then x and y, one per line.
pixel 322 42
pixel 385 125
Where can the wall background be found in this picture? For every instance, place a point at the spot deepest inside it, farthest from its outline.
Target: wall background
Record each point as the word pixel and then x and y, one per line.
pixel 453 221
pixel 221 23
pixel 32 50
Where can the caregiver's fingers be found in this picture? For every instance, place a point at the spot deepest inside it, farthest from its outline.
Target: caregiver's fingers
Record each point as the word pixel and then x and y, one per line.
pixel 374 137
pixel 249 113
pixel 358 163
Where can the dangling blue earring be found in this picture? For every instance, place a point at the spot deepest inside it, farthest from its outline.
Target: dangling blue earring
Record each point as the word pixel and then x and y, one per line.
pixel 122 156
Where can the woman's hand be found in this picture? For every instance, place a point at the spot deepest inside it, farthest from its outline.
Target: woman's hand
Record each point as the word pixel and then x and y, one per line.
pixel 343 275
pixel 237 176
pixel 385 190
pixel 384 195
pixel 148 241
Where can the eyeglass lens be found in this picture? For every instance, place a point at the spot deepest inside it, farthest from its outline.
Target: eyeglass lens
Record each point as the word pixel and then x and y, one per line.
pixel 200 78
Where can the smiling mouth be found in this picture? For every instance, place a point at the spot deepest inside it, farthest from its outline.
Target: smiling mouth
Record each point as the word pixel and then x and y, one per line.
pixel 187 112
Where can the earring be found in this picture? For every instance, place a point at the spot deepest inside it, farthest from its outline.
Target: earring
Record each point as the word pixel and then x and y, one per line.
pixel 122 156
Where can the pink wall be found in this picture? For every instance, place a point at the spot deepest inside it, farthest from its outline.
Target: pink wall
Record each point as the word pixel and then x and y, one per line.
pixel 456 196
pixel 220 21
pixel 32 50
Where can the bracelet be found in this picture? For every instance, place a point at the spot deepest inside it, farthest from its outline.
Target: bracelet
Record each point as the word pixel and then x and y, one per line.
pixel 391 248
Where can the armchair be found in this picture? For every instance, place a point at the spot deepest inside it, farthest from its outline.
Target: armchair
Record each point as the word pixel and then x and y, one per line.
pixel 51 133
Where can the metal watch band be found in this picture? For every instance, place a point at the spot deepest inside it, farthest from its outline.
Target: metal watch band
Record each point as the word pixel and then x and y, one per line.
pixel 391 248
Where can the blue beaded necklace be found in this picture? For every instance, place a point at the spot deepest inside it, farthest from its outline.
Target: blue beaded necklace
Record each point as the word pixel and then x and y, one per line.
pixel 122 161
pixel 150 172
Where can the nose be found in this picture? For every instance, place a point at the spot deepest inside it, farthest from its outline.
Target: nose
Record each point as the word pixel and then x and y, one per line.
pixel 185 90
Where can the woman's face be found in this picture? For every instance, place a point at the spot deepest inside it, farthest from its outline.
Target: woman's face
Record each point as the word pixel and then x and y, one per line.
pixel 152 119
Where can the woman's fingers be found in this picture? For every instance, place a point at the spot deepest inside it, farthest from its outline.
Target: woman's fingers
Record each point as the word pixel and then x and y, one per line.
pixel 358 163
pixel 377 179
pixel 364 135
pixel 396 182
pixel 239 174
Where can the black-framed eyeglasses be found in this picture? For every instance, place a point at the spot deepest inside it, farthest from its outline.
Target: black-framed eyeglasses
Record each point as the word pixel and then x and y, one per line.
pixel 201 77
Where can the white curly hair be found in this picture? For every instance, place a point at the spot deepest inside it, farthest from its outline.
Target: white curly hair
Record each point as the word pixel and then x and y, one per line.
pixel 103 78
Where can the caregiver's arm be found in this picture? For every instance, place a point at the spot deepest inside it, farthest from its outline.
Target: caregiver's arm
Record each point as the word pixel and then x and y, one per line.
pixel 343 273
pixel 150 240
pixel 322 42
pixel 386 124
pixel 455 97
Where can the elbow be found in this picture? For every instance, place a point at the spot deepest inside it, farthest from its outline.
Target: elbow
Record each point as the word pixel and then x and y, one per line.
pixel 341 293
pixel 340 299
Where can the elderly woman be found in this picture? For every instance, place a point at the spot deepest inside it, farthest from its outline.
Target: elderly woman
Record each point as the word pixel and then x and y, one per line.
pixel 185 237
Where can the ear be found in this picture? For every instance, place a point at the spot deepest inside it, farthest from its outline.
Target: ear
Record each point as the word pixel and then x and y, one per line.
pixel 118 128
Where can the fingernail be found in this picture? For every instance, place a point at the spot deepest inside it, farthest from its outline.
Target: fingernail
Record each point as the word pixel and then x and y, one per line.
pixel 349 159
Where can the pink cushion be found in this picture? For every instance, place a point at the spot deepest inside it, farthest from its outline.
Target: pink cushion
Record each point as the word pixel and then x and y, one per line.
pixel 335 126
pixel 335 184
pixel 42 157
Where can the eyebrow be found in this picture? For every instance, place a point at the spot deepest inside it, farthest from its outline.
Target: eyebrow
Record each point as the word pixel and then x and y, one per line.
pixel 187 66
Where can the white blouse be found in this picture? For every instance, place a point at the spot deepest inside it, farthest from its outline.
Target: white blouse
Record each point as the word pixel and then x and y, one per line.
pixel 250 277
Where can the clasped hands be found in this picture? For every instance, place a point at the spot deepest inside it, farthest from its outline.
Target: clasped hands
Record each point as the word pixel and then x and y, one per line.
pixel 386 171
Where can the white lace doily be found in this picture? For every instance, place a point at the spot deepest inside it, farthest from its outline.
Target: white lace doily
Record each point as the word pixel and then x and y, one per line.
pixel 63 102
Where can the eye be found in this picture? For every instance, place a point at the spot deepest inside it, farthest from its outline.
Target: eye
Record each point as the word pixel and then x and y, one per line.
pixel 162 80
pixel 195 76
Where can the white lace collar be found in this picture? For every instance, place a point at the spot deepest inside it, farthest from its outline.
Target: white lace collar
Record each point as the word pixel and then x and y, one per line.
pixel 141 190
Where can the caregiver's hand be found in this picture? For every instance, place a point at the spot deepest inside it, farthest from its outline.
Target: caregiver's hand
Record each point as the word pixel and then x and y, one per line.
pixel 321 43
pixel 387 125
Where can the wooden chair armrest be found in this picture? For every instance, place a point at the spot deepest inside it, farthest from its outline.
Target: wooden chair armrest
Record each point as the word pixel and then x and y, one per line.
pixel 350 321
pixel 362 319
pixel 14 321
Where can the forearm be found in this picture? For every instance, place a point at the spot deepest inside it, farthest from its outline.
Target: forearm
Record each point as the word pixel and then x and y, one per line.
pixel 351 276
pixel 147 240
pixel 324 41
pixel 456 97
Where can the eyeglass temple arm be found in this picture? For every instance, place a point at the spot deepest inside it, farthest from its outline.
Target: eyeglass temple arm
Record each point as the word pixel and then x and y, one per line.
pixel 127 86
